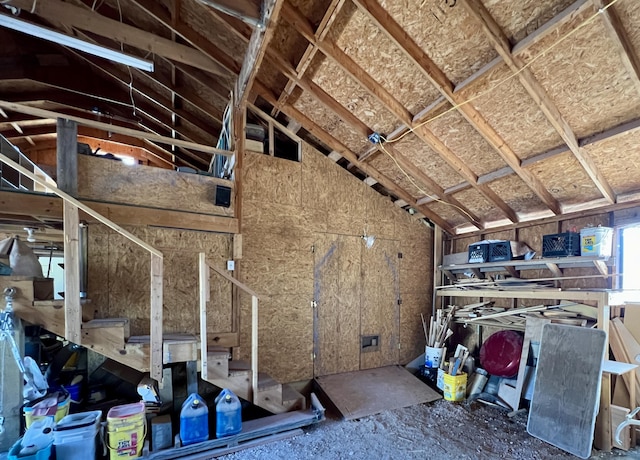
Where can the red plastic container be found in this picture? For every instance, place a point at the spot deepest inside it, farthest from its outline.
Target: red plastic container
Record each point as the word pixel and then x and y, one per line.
pixel 500 353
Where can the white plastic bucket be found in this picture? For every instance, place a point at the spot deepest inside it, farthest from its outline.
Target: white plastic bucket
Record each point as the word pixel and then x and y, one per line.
pixel 596 241
pixel 432 356
pixel 72 433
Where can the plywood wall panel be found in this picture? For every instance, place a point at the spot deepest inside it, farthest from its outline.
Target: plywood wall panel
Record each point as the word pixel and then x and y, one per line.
pixel 412 339
pixel 380 312
pixel 112 181
pixel 274 180
pixel 334 210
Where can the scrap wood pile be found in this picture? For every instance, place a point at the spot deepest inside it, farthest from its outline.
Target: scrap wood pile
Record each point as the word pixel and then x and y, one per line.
pixel 500 283
pixel 487 314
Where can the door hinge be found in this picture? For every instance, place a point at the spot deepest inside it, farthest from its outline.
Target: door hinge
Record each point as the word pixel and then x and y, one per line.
pixel 313 356
pixel 399 346
pixel 313 248
pixel 314 304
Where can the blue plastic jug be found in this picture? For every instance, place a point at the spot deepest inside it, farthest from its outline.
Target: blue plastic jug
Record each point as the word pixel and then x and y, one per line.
pixel 228 414
pixel 194 420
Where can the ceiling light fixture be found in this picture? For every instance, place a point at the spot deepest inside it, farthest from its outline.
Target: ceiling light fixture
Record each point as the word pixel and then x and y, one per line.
pixel 62 39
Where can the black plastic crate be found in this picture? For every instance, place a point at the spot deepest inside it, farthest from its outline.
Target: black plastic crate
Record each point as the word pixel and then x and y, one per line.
pixel 561 245
pixel 499 251
pixel 478 253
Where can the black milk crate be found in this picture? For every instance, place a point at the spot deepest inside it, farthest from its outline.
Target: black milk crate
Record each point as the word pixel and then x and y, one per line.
pixel 489 252
pixel 561 245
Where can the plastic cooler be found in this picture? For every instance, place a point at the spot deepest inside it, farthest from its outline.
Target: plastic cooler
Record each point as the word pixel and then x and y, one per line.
pixel 72 434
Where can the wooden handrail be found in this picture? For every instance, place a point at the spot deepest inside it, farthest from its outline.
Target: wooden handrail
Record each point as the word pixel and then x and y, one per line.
pixel 42 113
pixel 68 198
pixel 73 314
pixel 242 286
pixel 203 270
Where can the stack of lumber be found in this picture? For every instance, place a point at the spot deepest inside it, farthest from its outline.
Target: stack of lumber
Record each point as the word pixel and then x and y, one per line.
pixel 502 284
pixel 486 314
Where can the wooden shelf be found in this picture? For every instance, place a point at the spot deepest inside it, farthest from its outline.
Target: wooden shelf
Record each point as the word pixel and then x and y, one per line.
pixel 554 264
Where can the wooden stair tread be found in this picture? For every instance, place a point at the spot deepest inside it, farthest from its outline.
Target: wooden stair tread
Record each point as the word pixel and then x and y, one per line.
pixel 265 382
pixel 57 303
pixel 105 322
pixel 237 367
pixel 167 338
pixel 290 394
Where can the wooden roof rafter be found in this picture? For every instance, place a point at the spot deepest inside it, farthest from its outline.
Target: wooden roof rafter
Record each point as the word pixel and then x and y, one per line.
pixel 359 126
pixel 501 44
pixel 620 40
pixel 331 50
pixel 338 146
pixel 88 20
pixel 320 33
pixel 394 31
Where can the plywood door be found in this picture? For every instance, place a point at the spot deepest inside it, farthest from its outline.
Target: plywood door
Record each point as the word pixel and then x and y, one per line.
pixel 379 307
pixel 337 292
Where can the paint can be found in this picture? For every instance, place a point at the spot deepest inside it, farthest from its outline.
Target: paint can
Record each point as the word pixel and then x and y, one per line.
pixel 477 383
pixel 455 387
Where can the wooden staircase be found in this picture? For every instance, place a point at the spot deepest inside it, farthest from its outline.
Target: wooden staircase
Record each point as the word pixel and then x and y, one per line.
pixel 72 319
pixel 236 375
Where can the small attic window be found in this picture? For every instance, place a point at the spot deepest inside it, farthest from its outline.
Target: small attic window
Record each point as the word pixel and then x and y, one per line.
pixel 266 135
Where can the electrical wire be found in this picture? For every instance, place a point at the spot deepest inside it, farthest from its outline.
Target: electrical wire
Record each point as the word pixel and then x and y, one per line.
pixel 435 198
pixel 133 102
pixel 477 96
pixel 506 79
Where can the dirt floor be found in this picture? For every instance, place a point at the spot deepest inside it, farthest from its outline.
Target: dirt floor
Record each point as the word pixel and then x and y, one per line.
pixel 440 430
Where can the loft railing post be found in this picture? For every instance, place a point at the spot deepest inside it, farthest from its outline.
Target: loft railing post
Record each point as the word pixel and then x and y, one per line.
pixel 72 308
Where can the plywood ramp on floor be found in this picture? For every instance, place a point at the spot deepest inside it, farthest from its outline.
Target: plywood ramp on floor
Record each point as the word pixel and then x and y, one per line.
pixel 362 393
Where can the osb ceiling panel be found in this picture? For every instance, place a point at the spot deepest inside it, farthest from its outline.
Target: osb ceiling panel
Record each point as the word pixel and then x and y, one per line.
pixel 478 204
pixel 331 123
pixel 584 76
pixel 351 95
pixel 466 143
pixel 619 160
pixel 384 61
pixel 386 166
pixel 428 161
pixel 448 213
pixel 519 22
pixel 509 108
pixel 629 13
pixel 517 195
pixel 565 178
pixel 448 35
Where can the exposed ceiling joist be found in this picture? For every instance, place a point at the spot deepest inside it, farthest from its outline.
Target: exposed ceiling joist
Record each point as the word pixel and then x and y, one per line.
pixel 87 20
pixel 403 40
pixel 248 11
pixel 620 40
pixel 256 49
pixel 501 44
pixel 296 18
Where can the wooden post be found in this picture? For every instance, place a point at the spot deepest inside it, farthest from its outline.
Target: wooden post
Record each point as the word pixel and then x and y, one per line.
pixel 437 261
pixel 67 156
pixel 603 439
pixel 11 390
pixel 203 271
pixel 254 346
pixel 72 308
pixel 156 318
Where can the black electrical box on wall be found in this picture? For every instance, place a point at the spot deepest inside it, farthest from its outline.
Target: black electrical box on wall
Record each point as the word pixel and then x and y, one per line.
pixel 223 196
